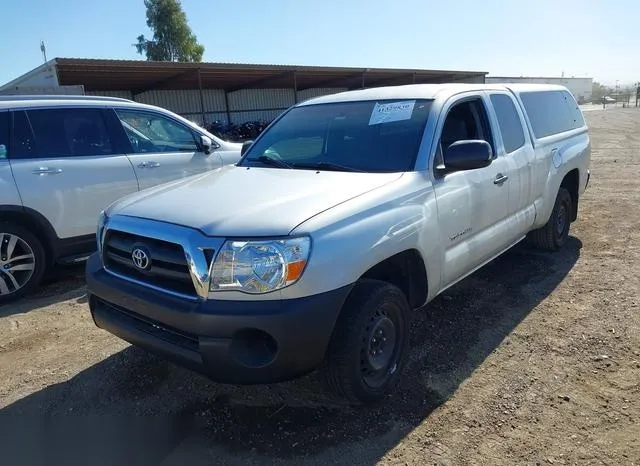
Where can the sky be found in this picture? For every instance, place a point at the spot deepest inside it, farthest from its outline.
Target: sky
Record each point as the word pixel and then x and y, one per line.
pixel 579 38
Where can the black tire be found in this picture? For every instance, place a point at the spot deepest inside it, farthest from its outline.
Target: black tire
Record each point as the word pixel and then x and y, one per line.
pixel 554 234
pixel 357 366
pixel 17 271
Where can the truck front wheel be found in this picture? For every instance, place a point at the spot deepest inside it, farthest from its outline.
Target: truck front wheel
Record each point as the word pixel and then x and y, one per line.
pixel 369 346
pixel 554 234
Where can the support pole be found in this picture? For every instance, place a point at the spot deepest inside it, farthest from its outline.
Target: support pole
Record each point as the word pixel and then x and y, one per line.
pixel 295 88
pixel 226 107
pixel 201 98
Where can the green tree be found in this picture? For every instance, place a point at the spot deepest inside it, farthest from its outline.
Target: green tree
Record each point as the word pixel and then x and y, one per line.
pixel 172 36
pixel 599 91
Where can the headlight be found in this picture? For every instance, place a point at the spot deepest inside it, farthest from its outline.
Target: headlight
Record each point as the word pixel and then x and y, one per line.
pixel 259 266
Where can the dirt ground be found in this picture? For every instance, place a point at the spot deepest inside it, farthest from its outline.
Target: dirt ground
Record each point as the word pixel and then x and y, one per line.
pixel 535 359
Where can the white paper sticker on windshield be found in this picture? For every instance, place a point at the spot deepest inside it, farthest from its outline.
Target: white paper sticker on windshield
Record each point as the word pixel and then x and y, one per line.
pixel 396 111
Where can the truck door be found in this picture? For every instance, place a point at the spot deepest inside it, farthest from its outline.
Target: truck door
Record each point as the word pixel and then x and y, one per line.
pixel 514 145
pixel 472 204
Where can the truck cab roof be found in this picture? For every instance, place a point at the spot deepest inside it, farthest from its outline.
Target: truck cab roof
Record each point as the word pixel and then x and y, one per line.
pixel 425 91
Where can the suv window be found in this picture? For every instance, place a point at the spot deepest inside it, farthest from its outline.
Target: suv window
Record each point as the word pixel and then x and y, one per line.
pixel 465 120
pixel 509 122
pixel 4 135
pixel 551 112
pixel 60 132
pixel 152 132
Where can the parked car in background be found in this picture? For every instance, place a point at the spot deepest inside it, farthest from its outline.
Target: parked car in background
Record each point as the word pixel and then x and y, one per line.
pixel 348 212
pixel 65 158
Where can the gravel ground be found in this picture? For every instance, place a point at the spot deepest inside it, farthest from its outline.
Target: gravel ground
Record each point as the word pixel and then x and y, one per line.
pixel 535 359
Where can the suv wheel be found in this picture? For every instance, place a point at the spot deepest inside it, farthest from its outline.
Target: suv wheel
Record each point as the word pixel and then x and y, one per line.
pixel 369 346
pixel 554 234
pixel 22 262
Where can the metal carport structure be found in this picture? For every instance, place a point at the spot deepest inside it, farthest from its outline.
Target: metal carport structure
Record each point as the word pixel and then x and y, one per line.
pixel 230 91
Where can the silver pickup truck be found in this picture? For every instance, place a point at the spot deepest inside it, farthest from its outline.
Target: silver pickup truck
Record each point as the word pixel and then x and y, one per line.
pixel 348 212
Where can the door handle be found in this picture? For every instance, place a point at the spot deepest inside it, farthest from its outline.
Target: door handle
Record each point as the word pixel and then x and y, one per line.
pixel 500 178
pixel 149 165
pixel 47 171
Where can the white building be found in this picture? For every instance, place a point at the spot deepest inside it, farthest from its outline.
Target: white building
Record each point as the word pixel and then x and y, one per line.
pixel 580 87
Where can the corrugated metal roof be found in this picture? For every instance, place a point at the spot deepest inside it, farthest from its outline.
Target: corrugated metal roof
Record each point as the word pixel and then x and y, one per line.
pixel 140 75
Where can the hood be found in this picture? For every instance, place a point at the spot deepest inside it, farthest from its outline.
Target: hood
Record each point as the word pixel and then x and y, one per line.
pixel 240 201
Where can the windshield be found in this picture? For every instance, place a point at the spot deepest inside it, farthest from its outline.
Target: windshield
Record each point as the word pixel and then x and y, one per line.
pixel 368 136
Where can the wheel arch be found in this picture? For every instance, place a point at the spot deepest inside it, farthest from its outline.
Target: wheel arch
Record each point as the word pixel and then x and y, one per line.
pixel 37 224
pixel 571 182
pixel 407 271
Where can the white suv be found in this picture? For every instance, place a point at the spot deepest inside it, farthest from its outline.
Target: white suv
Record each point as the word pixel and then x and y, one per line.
pixel 65 158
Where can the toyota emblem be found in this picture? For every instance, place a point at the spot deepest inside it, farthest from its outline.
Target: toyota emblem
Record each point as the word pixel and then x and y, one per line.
pixel 140 258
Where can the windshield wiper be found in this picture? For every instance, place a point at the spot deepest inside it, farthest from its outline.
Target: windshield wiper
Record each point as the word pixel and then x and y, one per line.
pixel 328 166
pixel 265 159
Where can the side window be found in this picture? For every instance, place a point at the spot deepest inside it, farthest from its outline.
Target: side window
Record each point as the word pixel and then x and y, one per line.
pixel 60 132
pixel 466 120
pixel 23 139
pixel 150 132
pixel 4 135
pixel 508 121
pixel 574 110
pixel 548 112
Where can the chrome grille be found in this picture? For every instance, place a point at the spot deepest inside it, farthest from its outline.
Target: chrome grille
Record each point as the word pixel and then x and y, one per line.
pixel 167 269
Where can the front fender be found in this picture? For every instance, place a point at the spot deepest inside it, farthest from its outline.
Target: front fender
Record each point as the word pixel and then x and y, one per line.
pixel 353 237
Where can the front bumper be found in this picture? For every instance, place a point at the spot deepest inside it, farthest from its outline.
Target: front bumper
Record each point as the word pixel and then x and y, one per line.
pixel 244 342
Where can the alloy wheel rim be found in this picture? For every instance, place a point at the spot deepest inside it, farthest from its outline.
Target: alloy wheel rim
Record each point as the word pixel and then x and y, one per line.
pixel 17 263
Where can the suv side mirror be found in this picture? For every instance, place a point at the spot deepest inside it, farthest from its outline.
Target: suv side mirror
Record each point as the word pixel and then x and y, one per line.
pixel 468 155
pixel 245 147
pixel 207 144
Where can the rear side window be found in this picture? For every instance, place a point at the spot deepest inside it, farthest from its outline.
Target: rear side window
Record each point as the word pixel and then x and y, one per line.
pixel 60 132
pixel 551 112
pixel 509 122
pixel 4 135
pixel 574 110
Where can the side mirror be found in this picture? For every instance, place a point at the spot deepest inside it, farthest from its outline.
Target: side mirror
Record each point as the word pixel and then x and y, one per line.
pixel 207 144
pixel 468 155
pixel 245 147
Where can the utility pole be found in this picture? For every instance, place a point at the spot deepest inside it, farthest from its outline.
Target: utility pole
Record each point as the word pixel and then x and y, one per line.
pixel 43 49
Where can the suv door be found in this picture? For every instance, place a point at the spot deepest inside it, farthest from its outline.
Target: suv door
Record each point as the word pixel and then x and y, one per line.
pixel 472 204
pixel 162 148
pixel 68 166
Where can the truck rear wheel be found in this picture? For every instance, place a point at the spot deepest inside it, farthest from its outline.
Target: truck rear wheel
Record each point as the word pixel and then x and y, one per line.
pixel 22 262
pixel 554 234
pixel 369 346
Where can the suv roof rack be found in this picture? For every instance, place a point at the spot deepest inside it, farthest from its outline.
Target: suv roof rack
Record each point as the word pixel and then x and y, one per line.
pixel 5 98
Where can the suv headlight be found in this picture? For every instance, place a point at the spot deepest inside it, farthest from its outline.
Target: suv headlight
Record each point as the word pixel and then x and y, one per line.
pixel 259 266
